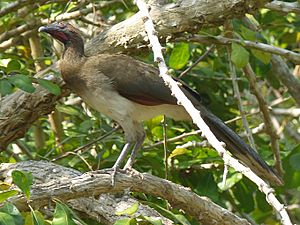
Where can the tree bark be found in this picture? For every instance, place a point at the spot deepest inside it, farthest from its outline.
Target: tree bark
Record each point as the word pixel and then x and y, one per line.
pixel 54 181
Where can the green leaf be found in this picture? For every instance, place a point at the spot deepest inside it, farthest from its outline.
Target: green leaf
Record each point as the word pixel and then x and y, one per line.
pixel 50 86
pixel 125 221
pixel 180 56
pixel 182 219
pixel 67 109
pixel 239 55
pixel 6 194
pixel 86 125
pixel 164 212
pixel 264 57
pixel 13 65
pixel 37 218
pixel 179 151
pixel 292 177
pixel 6 219
pixel 14 212
pixel 62 215
pixel 261 202
pixel 248 34
pixel 154 221
pixel 129 211
pixel 230 182
pixel 23 180
pixel 294 161
pixel 23 82
pixel 244 194
pixel 5 87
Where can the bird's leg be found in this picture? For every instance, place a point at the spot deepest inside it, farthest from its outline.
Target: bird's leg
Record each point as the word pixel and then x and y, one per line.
pixel 133 154
pixel 120 159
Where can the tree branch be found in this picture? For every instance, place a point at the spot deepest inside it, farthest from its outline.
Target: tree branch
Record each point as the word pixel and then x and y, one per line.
pixel 292 56
pixel 101 209
pixel 170 19
pixel 282 72
pixel 270 130
pixel 286 7
pixel 65 188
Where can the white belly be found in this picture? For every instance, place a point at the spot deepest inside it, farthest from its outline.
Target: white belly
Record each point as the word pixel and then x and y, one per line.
pixel 119 108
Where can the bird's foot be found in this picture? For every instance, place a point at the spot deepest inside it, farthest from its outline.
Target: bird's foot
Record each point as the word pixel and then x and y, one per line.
pixel 128 165
pixel 113 175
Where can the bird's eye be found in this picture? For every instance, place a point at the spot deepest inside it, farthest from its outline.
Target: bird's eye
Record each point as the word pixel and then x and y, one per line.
pixel 61 25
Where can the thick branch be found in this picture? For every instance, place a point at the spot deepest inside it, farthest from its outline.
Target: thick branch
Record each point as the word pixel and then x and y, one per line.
pixel 19 110
pixel 205 211
pixel 286 7
pixel 101 209
pixel 170 19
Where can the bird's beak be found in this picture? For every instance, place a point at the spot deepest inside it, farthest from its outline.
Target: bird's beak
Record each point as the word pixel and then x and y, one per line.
pixel 49 28
pixel 42 29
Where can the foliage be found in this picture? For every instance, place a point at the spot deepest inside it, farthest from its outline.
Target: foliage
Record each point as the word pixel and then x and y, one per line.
pixel 210 78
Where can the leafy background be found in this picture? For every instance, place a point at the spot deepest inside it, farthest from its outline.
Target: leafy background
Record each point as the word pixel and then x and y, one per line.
pixel 78 125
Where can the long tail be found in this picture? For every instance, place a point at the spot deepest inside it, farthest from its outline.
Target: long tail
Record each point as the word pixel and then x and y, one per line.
pixel 236 145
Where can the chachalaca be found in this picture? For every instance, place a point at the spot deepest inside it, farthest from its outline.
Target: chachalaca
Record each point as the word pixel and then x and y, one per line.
pixel 129 92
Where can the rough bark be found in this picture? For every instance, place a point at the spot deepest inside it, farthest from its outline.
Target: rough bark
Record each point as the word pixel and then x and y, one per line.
pixel 170 19
pixel 71 184
pixel 19 110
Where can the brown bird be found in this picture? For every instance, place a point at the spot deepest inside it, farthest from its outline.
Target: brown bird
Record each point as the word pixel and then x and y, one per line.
pixel 129 92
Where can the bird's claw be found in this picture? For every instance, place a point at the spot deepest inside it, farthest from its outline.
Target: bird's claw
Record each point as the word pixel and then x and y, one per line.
pixel 113 175
pixel 127 167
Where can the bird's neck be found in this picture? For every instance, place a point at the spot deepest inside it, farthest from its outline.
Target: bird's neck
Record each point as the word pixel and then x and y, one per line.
pixel 73 51
pixel 72 60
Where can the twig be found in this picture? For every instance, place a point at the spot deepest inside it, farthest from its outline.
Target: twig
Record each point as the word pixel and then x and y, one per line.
pixel 294 134
pixel 82 159
pixel 222 78
pixel 286 7
pixel 283 73
pixel 201 58
pixel 88 144
pixel 239 100
pixel 165 141
pixel 256 111
pixel 195 114
pixel 290 55
pixel 266 115
pixel 173 139
pixel 294 112
pixel 24 149
pixel 193 144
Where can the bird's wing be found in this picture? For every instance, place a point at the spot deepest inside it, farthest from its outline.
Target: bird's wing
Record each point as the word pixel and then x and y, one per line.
pixel 135 81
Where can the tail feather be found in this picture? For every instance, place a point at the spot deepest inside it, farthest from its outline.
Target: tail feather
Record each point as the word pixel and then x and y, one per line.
pixel 236 145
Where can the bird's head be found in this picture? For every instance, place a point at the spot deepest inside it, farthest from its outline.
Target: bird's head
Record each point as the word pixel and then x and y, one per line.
pixel 63 32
